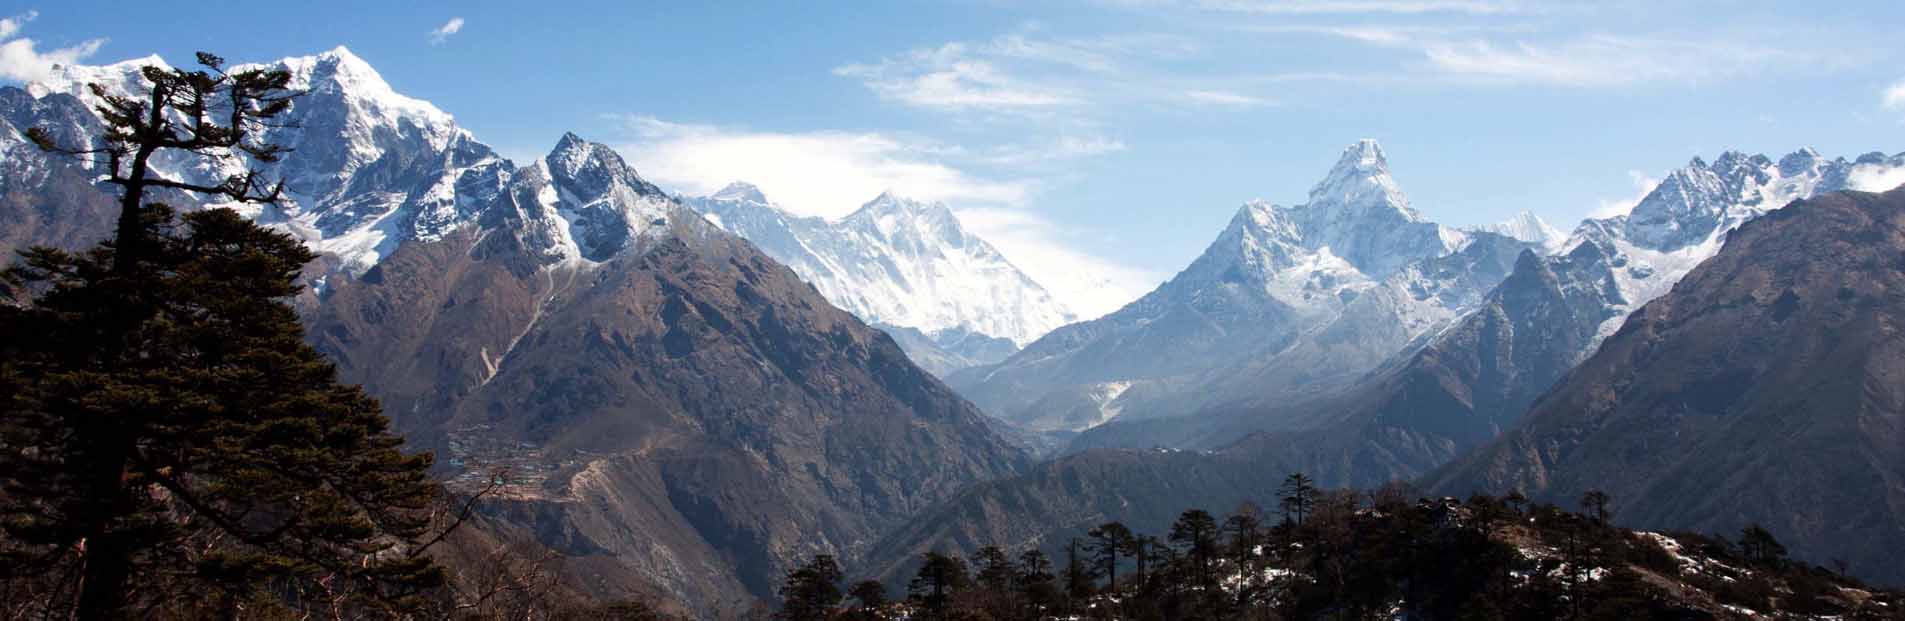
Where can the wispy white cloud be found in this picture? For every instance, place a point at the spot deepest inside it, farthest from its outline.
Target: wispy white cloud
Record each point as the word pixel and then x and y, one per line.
pixel 442 33
pixel 1064 148
pixel 950 77
pixel 11 25
pixel 1090 284
pixel 1894 96
pixel 1347 7
pixel 1027 73
pixel 829 174
pixel 1642 185
pixel 1600 60
pixel 22 60
pixel 821 173
pixel 1226 98
pixel 1514 52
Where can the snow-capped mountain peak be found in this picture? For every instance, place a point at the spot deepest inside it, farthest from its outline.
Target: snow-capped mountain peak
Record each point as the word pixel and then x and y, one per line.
pixel 119 77
pixel 1360 181
pixel 895 261
pixel 740 191
pixel 1800 162
pixel 1695 202
pixel 1360 214
pixel 1528 227
pixel 602 203
pixel 347 73
pixel 428 175
pixel 591 171
pixel 893 216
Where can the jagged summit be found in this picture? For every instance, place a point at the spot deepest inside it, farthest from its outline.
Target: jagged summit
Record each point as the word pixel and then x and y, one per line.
pixel 341 70
pixel 740 191
pixel 1799 161
pixel 1528 227
pixel 1695 203
pixel 896 217
pixel 897 262
pixel 120 77
pixel 599 206
pixel 890 202
pixel 1360 181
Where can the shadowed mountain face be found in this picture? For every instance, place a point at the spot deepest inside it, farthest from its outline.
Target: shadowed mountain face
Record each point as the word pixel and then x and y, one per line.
pixel 1764 388
pixel 685 410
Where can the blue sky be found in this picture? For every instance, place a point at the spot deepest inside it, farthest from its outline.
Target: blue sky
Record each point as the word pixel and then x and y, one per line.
pixel 1100 144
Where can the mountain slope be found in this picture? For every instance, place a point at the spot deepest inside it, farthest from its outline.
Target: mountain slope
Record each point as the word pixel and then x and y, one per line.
pixel 1413 414
pixel 1765 387
pixel 897 262
pixel 46 199
pixel 671 402
pixel 1607 268
pixel 675 412
pixel 1285 299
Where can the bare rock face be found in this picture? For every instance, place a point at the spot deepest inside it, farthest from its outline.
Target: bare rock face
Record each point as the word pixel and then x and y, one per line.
pixel 675 406
pixel 1763 388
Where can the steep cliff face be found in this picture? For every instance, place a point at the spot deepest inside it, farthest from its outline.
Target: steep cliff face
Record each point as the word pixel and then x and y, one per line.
pixel 1763 388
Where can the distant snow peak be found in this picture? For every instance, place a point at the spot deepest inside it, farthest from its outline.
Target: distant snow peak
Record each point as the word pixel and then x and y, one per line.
pixel 1528 227
pixel 740 191
pixel 895 261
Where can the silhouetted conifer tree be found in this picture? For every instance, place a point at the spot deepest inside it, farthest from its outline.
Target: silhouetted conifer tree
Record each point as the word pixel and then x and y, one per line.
pixel 811 591
pixel 1109 542
pixel 939 577
pixel 166 436
pixel 1297 497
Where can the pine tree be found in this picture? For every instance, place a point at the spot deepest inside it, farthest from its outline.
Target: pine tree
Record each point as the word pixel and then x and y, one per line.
pixel 939 577
pixel 1077 576
pixel 1594 504
pixel 1195 532
pixel 1035 582
pixel 1108 542
pixel 1243 532
pixel 811 592
pixel 868 594
pixel 995 569
pixel 1297 497
pixel 166 437
pixel 205 444
pixel 1759 546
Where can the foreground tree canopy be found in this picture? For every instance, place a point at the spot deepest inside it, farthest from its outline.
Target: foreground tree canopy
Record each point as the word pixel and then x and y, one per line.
pixel 169 446
pixel 1381 554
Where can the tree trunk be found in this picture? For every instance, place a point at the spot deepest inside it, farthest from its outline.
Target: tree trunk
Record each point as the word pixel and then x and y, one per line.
pixel 109 549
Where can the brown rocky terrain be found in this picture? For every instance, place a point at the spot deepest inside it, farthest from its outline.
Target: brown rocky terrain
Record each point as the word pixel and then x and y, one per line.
pixel 1766 387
